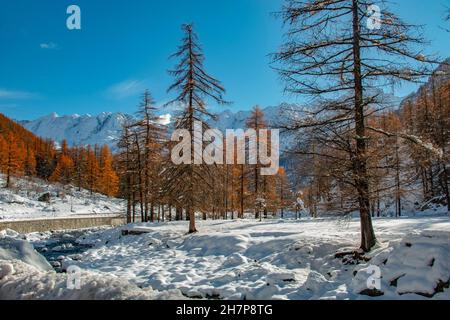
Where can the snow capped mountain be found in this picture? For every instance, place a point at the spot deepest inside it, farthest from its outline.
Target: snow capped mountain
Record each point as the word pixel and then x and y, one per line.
pixel 104 128
pixel 236 120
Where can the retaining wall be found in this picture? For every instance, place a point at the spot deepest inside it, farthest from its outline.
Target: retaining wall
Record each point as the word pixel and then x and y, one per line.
pixel 28 226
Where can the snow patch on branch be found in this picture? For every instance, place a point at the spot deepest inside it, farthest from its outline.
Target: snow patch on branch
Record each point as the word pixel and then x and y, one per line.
pixel 414 139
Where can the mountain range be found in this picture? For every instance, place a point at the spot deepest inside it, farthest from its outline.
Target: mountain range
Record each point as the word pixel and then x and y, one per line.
pixel 106 127
pixel 101 129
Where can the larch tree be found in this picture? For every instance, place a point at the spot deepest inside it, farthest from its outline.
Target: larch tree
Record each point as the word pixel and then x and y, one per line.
pixel 193 86
pixel 45 159
pixel 151 135
pixel 428 117
pixel 79 160
pixel 12 157
pixel 284 191
pixel 91 173
pixel 30 162
pixel 340 53
pixel 3 153
pixel 256 121
pixel 65 169
pixel 108 179
pixel 127 168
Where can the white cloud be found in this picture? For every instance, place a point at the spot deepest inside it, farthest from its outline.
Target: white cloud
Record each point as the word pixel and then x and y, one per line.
pixel 126 89
pixel 15 94
pixel 49 45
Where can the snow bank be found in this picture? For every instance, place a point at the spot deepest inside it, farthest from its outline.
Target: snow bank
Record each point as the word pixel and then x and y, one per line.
pixel 25 274
pixel 14 249
pixel 215 244
pixel 418 264
pixel 20 281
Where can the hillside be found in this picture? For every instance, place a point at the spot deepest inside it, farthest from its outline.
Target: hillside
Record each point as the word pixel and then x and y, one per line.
pixel 25 200
pixel 23 154
pixel 440 77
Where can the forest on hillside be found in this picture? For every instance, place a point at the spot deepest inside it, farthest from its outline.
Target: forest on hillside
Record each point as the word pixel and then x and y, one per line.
pixel 22 154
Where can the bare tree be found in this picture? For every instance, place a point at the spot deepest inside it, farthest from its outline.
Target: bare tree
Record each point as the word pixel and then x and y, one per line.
pixel 151 136
pixel 256 121
pixel 193 86
pixel 340 53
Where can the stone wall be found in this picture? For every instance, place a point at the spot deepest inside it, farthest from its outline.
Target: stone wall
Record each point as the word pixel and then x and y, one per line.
pixel 29 226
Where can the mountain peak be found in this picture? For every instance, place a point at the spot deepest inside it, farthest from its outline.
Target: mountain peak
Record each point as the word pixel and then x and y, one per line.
pixel 104 128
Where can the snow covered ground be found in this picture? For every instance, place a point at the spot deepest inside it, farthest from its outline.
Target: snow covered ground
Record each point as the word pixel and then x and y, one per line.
pixel 246 259
pixel 22 201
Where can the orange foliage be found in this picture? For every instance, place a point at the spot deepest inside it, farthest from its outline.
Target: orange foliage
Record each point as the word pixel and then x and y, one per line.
pixel 23 153
pixel 108 180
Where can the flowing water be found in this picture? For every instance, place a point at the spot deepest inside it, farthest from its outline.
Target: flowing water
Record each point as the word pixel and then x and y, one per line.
pixel 62 245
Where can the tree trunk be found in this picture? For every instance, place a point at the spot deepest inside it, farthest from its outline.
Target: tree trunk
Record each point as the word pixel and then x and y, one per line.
pixel 368 239
pixel 242 193
pixel 191 214
pixel 152 212
pixel 178 213
pixel 446 188
pixel 133 199
pixel 397 180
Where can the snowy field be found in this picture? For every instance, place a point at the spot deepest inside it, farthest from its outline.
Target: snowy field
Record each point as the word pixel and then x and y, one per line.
pixel 21 202
pixel 246 259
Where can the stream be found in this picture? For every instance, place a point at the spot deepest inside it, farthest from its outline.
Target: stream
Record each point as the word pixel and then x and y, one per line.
pixel 62 245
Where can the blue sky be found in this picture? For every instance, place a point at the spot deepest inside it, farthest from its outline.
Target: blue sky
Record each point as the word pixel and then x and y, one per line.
pixel 124 46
